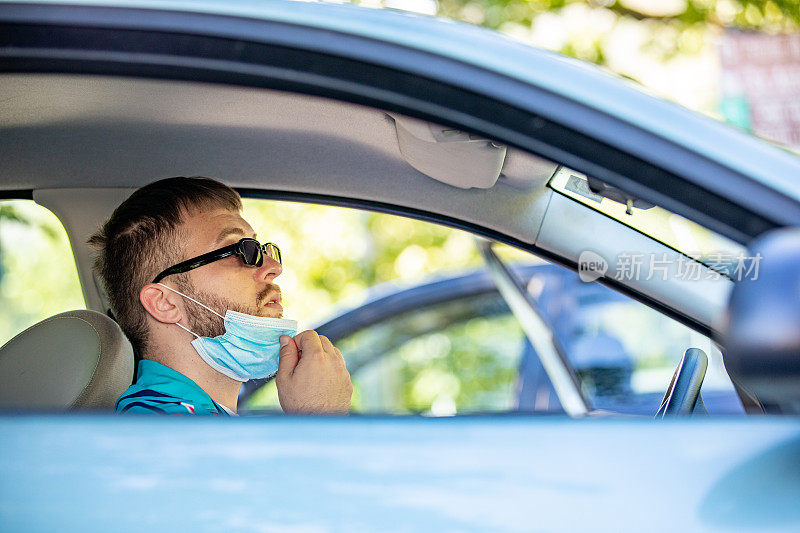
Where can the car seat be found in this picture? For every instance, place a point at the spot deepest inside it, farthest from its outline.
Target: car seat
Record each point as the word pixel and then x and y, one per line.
pixel 77 359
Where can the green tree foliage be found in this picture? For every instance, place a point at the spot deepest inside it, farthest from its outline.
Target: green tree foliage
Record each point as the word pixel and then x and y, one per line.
pixel 333 256
pixel 39 278
pixel 468 367
pixel 678 20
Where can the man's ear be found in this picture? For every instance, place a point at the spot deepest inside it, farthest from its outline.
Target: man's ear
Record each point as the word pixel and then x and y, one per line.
pixel 160 303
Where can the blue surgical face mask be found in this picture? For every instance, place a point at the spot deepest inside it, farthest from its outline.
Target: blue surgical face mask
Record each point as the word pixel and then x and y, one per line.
pixel 248 349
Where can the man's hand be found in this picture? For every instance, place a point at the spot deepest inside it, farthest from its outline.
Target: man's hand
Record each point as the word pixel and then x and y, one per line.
pixel 312 377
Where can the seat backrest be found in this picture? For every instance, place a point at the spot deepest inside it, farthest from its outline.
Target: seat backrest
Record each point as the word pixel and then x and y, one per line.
pixel 77 359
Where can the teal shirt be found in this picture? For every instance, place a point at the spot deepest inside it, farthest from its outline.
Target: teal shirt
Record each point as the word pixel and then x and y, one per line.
pixel 162 390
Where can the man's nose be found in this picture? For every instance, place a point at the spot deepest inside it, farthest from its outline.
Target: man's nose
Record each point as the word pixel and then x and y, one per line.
pixel 268 270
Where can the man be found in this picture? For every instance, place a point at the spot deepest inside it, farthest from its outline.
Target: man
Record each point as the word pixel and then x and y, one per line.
pixel 195 293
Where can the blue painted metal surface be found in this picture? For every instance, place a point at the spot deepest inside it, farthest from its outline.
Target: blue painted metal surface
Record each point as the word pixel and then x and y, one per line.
pixel 110 473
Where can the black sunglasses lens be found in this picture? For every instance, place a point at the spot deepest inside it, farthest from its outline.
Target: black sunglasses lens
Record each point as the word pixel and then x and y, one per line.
pixel 272 251
pixel 251 252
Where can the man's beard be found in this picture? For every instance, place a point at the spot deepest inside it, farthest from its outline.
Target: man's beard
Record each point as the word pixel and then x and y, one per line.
pixel 205 323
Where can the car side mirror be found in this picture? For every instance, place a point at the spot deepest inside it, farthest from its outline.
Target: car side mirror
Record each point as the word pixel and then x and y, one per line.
pixel 762 326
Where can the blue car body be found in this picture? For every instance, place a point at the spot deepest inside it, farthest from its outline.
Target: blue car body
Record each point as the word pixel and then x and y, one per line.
pixel 513 473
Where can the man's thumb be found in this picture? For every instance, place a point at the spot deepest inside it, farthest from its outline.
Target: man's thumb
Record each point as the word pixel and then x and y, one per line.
pixel 289 355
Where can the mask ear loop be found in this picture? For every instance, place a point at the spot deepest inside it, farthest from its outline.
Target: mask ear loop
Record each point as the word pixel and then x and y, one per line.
pixel 187 329
pixel 195 301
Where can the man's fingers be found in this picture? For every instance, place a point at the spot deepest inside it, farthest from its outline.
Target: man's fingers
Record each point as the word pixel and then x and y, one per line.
pixel 309 342
pixel 327 345
pixel 332 351
pixel 312 377
pixel 289 355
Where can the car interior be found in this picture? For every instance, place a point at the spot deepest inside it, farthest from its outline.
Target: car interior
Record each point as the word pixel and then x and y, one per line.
pixel 78 145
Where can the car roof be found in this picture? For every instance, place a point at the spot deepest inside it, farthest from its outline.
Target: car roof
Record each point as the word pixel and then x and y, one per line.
pixel 494 52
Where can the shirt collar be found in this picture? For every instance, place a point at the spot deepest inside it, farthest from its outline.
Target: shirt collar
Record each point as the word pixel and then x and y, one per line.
pixel 153 375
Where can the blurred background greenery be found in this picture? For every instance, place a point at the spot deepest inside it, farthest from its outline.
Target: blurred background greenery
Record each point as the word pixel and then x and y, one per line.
pixel 333 256
pixel 454 357
pixel 37 273
pixel 670 47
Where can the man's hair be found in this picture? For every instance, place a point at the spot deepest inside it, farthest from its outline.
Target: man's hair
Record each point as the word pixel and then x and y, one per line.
pixel 142 238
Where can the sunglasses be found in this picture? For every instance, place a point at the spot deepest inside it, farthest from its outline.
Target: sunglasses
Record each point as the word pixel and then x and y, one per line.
pixel 249 250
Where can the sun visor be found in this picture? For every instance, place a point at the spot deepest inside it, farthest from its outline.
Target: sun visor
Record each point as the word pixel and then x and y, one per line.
pixel 448 155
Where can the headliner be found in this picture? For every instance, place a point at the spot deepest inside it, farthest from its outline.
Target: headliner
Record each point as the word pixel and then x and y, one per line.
pixel 94 131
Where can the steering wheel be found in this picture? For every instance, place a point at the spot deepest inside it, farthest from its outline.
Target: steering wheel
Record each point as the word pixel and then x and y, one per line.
pixel 684 389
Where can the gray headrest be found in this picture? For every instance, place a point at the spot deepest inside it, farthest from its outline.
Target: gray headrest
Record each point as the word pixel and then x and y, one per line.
pixel 74 359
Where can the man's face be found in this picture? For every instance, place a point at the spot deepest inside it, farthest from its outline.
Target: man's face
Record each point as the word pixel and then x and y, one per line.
pixel 227 283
